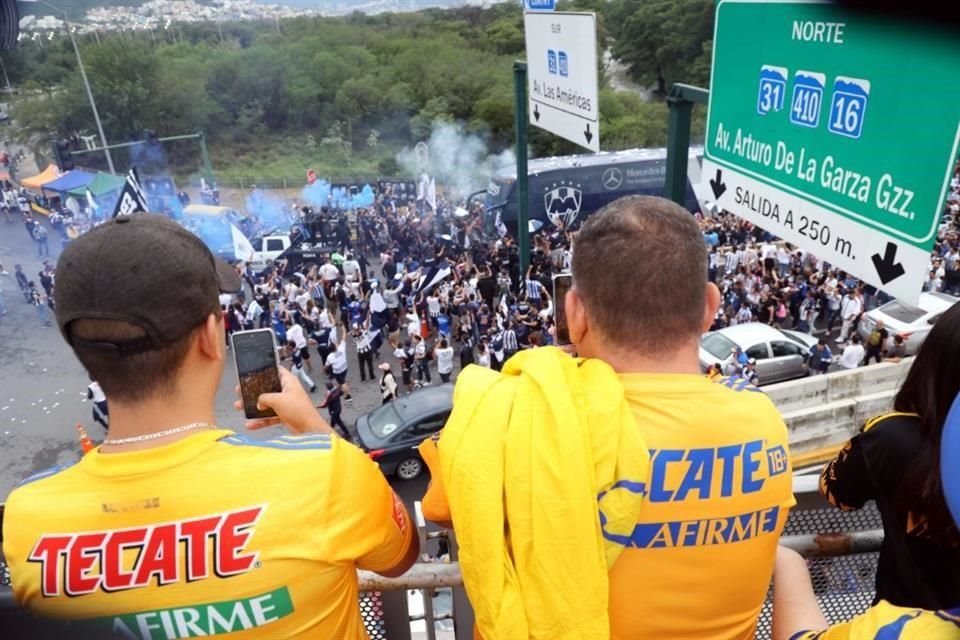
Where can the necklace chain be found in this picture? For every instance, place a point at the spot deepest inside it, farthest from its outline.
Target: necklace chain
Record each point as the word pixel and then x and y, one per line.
pixel 159 434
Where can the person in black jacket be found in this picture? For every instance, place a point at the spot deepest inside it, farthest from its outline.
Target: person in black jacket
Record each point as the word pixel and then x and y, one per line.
pixel 333 405
pixel 895 461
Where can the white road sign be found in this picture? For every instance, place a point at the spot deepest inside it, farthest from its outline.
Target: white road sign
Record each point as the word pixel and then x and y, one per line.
pixel 562 75
pixel 841 241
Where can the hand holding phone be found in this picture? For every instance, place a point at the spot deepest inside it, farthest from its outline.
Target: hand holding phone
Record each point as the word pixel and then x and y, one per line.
pixel 292 406
pixel 255 354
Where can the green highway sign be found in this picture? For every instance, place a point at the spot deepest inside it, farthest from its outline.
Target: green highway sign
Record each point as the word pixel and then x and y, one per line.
pixel 834 131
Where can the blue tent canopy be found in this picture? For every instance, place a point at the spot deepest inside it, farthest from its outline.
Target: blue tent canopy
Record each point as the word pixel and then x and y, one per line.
pixel 69 180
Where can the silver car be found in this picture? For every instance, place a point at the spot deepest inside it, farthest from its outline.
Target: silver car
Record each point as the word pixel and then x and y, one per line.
pixel 911 323
pixel 780 354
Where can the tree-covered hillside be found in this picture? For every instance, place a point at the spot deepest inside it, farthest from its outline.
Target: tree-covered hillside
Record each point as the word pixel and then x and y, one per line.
pixel 341 94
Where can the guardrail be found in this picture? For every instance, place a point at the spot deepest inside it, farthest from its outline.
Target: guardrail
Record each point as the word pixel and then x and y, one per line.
pixel 823 412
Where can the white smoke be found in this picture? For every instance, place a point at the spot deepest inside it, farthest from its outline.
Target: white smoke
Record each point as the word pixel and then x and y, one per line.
pixel 460 162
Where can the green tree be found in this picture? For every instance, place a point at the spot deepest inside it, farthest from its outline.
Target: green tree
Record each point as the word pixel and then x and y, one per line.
pixel 356 99
pixel 123 75
pixel 505 36
pixel 321 92
pixel 494 111
pixel 436 110
pixel 388 167
pixel 662 41
pixel 336 143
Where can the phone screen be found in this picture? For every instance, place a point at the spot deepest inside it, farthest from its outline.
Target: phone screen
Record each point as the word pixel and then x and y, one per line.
pixel 561 284
pixel 255 354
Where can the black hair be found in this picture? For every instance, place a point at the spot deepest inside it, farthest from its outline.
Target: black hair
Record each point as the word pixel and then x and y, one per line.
pixel 929 389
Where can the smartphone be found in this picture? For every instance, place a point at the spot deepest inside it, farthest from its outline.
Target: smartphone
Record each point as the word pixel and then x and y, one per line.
pixel 255 354
pixel 561 284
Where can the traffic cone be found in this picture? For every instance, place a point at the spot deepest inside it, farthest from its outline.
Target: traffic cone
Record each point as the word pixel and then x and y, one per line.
pixel 86 444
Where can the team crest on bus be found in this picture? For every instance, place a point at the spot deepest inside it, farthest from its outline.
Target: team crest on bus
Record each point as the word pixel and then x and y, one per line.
pixel 562 202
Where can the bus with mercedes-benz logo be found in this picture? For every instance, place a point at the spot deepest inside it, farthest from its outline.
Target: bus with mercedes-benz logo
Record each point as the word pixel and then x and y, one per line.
pixel 564 190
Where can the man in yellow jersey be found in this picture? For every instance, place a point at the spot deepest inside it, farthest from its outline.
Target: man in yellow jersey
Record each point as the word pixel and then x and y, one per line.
pixel 174 527
pixel 698 561
pixel 797 615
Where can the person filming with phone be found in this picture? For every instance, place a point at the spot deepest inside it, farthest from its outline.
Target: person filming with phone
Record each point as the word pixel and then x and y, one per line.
pixel 690 478
pixel 176 526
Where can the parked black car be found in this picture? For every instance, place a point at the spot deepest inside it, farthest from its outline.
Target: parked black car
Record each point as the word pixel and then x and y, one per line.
pixel 391 434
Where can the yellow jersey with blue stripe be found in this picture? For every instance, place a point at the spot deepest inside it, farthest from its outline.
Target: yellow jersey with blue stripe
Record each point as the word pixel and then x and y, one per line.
pixel 700 558
pixel 887 622
pixel 216 534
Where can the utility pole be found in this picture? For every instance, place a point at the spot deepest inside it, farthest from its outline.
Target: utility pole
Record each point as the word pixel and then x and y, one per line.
pixel 6 78
pixel 86 84
pixel 93 103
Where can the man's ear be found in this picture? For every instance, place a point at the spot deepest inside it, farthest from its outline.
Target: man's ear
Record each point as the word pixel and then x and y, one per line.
pixel 210 337
pixel 710 305
pixel 576 316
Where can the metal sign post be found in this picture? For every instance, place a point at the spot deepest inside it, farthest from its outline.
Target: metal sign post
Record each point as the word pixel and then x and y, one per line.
pixel 520 127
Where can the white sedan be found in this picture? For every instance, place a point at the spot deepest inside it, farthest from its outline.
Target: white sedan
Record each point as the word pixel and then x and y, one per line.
pixel 780 354
pixel 909 322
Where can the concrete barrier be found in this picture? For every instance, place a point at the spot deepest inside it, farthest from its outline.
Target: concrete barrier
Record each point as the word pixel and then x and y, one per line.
pixel 823 412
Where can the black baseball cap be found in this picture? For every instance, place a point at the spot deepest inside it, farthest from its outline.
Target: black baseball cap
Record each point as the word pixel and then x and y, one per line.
pixel 143 269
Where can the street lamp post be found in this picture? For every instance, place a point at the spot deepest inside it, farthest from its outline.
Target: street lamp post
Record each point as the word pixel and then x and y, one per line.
pixel 6 78
pixel 93 103
pixel 86 84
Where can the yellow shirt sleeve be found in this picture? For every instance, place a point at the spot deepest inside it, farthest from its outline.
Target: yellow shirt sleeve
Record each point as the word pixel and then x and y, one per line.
pixel 375 531
pixel 887 621
pixel 435 506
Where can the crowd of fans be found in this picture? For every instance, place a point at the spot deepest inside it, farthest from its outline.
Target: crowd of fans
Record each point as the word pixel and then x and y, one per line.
pixel 439 294
pixel 483 310
pixel 762 279
pixel 416 289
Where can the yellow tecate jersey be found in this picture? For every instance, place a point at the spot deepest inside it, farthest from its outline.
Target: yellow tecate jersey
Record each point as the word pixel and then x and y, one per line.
pixel 887 622
pixel 215 534
pixel 700 559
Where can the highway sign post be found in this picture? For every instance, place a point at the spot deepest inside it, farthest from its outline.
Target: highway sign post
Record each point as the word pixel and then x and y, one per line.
pixel 825 128
pixel 562 75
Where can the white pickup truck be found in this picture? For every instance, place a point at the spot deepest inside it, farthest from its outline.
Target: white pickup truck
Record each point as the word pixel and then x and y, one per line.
pixel 299 255
pixel 267 249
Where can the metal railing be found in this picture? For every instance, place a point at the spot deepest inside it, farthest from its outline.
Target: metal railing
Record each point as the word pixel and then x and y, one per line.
pixel 429 601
